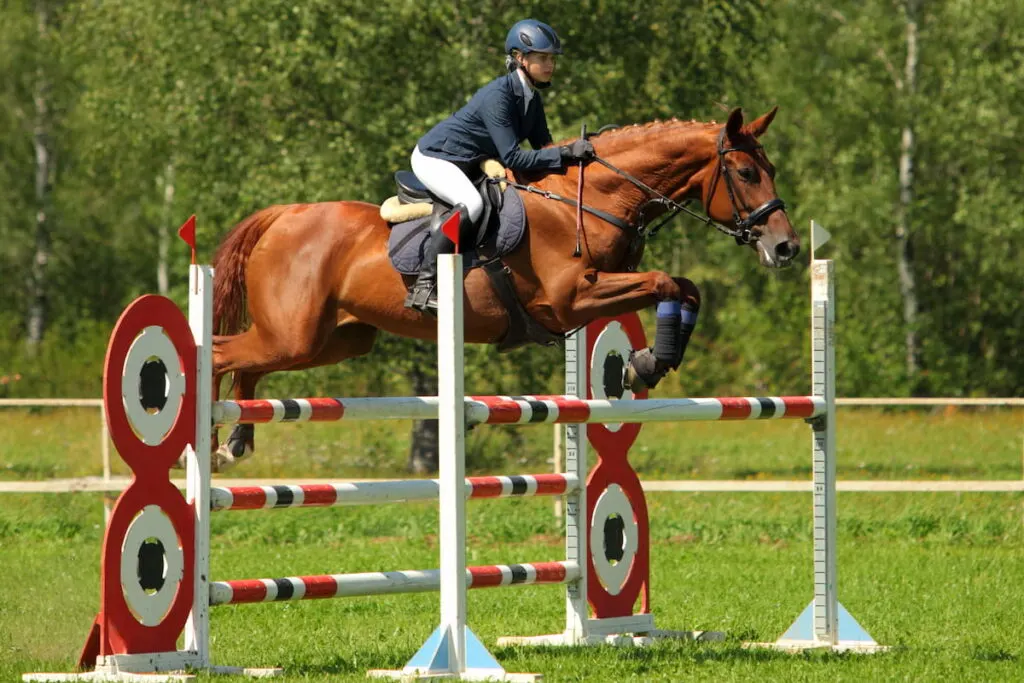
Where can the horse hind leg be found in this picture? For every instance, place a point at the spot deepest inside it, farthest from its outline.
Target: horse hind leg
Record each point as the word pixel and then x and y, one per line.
pixel 241 443
pixel 251 355
pixel 348 340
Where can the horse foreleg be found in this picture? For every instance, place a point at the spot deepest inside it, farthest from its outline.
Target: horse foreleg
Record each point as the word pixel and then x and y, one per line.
pixel 678 300
pixel 600 294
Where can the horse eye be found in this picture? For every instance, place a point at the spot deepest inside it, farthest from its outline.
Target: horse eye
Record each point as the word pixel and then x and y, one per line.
pixel 749 174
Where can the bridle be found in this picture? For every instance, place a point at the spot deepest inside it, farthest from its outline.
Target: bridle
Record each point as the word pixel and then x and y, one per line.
pixel 743 233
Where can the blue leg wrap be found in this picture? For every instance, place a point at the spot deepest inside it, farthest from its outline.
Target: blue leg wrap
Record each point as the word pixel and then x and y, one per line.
pixel 667 339
pixel 687 322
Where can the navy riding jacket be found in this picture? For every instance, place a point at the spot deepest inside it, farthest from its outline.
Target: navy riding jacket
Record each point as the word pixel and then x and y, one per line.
pixel 491 126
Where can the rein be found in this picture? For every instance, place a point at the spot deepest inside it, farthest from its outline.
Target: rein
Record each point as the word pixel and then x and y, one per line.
pixel 547 194
pixel 743 233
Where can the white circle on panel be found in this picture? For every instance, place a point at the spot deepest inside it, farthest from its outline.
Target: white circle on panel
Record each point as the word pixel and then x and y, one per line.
pixel 152 343
pixel 152 523
pixel 613 338
pixel 613 502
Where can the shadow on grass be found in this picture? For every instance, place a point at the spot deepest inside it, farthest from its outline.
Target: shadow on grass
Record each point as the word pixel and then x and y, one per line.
pixel 795 472
pixel 983 655
pixel 358 662
pixel 733 650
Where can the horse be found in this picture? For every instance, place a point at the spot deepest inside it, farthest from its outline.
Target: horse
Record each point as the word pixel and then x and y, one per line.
pixel 314 282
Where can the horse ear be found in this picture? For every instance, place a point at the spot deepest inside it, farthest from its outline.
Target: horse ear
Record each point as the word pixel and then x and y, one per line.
pixel 735 123
pixel 758 126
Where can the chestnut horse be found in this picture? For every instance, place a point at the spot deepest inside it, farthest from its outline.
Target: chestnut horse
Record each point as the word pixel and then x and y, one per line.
pixel 316 282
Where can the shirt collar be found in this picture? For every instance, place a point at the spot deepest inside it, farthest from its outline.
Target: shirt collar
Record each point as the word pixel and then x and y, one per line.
pixel 527 90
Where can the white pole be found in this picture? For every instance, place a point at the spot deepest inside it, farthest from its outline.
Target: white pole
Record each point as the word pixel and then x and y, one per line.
pixel 197 473
pixel 557 458
pixel 823 360
pixel 577 527
pixel 451 446
pixel 452 650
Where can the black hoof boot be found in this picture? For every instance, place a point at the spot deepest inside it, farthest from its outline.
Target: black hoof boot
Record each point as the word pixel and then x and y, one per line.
pixel 643 371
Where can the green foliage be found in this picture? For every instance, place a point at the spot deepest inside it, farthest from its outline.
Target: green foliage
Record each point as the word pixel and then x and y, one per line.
pixel 258 102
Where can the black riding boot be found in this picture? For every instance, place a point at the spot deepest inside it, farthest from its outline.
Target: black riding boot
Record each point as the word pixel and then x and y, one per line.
pixel 423 296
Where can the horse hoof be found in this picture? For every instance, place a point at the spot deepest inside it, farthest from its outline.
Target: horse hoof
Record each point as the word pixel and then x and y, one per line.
pixel 222 459
pixel 230 453
pixel 631 381
pixel 643 371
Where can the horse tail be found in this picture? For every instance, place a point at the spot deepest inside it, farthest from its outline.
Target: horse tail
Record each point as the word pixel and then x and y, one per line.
pixel 229 264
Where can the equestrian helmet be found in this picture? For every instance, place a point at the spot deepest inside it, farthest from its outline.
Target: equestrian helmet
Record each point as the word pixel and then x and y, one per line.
pixel 530 35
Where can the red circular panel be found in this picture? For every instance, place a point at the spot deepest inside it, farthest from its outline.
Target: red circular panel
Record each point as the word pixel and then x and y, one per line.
pixel 600 435
pixel 125 633
pixel 613 467
pixel 146 311
pixel 636 584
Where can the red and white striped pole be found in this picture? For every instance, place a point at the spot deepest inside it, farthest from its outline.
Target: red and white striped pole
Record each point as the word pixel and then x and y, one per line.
pixel 521 409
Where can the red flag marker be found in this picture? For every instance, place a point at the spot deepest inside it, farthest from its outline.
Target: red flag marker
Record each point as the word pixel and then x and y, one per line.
pixel 187 232
pixel 451 229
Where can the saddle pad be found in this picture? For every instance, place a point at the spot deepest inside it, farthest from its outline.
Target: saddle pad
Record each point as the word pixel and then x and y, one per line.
pixel 405 245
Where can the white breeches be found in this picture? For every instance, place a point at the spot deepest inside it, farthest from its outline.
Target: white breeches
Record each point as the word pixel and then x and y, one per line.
pixel 448 182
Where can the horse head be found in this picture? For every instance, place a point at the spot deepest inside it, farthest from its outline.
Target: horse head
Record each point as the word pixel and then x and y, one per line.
pixel 652 169
pixel 738 191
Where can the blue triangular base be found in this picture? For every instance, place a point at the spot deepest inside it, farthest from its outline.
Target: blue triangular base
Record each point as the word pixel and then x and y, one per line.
pixel 850 630
pixel 434 655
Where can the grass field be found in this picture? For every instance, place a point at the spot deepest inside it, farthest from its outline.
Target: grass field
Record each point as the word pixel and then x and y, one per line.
pixel 872 444
pixel 937 576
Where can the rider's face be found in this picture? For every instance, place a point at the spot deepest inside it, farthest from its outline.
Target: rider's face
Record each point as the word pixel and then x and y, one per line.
pixel 539 65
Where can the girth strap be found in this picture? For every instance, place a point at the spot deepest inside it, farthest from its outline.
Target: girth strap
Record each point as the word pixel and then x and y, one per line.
pixel 522 328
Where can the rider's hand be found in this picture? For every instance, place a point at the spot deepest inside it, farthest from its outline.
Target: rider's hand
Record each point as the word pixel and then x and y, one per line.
pixel 579 150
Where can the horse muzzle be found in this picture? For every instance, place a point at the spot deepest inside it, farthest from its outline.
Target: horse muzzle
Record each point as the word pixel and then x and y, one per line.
pixel 776 246
pixel 780 255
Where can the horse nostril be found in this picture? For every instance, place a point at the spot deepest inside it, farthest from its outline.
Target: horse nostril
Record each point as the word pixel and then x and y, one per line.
pixel 787 250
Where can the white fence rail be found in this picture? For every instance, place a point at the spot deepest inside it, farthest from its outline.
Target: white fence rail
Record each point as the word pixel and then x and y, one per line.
pixel 9 487
pixel 108 484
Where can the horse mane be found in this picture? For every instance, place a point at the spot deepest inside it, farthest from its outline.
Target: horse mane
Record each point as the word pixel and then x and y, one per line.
pixel 628 132
pixel 614 139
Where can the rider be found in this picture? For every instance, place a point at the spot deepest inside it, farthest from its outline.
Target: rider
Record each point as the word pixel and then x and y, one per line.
pixel 499 116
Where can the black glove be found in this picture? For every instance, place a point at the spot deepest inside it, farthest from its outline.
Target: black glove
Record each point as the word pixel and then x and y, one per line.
pixel 580 150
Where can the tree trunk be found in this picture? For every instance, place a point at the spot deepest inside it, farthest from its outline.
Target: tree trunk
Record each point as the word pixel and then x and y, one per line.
pixel 164 231
pixel 42 141
pixel 905 254
pixel 423 451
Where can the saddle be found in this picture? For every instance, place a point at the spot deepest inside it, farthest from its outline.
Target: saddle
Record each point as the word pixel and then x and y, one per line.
pixel 413 200
pixel 414 210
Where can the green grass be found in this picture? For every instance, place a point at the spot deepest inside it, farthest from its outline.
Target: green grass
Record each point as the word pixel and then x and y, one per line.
pixel 936 576
pixel 872 444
